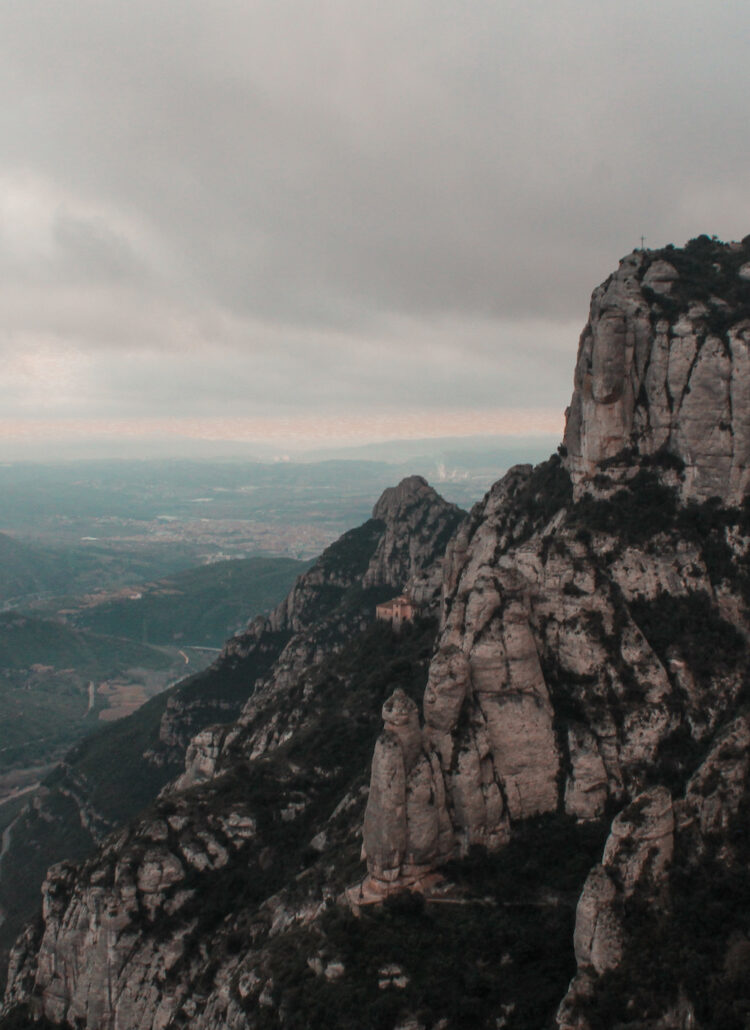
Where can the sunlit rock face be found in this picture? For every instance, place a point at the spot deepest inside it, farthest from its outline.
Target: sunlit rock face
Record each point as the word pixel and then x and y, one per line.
pixel 659 370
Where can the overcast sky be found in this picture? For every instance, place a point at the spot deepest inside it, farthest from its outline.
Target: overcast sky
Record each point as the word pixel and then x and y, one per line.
pixel 329 220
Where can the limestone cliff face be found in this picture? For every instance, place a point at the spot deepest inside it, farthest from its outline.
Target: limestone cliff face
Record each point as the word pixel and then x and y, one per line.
pixel 595 620
pixel 544 691
pixel 553 686
pixel 646 839
pixel 99 962
pixel 664 366
pixel 409 555
pixel 636 859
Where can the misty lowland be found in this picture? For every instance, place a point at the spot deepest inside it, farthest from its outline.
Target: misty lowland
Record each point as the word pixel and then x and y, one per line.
pixel 458 738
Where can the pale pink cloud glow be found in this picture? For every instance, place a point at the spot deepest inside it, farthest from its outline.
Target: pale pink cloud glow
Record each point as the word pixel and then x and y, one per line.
pixel 298 431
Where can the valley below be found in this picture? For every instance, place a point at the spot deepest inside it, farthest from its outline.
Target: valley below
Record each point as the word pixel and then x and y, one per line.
pixel 483 769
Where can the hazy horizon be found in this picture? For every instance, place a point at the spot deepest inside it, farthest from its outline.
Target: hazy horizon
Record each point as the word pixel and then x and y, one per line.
pixel 319 224
pixel 399 451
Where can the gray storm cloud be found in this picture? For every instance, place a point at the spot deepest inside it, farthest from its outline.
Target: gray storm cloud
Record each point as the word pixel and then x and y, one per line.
pixel 270 206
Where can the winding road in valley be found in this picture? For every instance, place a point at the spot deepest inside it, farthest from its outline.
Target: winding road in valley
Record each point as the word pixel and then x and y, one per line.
pixel 18 793
pixel 5 840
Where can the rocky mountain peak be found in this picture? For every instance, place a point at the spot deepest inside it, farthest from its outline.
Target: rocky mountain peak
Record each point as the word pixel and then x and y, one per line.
pixel 663 370
pixel 399 708
pixel 418 525
pixel 397 500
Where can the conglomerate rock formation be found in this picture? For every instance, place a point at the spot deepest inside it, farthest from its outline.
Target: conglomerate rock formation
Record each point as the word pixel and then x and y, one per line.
pixel 538 609
pixel 664 365
pixel 586 681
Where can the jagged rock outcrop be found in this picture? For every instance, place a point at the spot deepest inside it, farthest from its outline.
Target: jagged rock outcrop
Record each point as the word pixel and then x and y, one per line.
pixel 406 822
pixel 552 684
pixel 664 366
pixel 401 548
pixel 110 776
pixel 645 840
pixel 636 858
pixel 97 965
pixel 417 529
pixel 718 787
pixel 201 757
pixel 120 943
pixel 590 661
pixel 636 855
